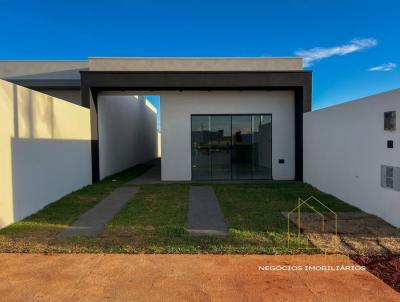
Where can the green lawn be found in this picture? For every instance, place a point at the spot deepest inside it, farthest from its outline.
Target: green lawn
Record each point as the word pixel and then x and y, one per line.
pixel 154 221
pixel 37 232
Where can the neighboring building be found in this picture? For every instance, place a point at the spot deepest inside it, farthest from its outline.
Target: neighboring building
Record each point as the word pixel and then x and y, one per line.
pixel 352 151
pixel 60 79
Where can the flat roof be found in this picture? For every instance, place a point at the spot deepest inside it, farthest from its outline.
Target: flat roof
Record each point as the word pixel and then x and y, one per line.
pixel 26 70
pixel 66 73
pixel 195 58
pixel 195 64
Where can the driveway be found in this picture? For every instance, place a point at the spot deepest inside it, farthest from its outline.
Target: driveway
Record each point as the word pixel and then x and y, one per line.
pixel 95 277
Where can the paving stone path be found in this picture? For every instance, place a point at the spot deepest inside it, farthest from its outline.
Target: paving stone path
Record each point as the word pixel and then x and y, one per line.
pixel 358 233
pixel 151 176
pixel 93 221
pixel 205 217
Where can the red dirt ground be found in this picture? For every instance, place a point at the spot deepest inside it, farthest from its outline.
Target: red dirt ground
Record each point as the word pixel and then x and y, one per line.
pixel 98 277
pixel 385 268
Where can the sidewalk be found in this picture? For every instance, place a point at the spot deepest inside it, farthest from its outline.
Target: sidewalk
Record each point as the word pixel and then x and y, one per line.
pixel 95 277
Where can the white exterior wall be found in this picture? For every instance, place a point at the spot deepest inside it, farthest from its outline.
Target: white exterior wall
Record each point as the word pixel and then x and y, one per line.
pixel 344 147
pixel 158 144
pixel 177 107
pixel 127 132
pixel 44 150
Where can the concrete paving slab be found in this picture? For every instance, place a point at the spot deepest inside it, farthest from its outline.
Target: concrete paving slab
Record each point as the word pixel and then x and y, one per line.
pixel 151 176
pixel 95 277
pixel 205 217
pixel 93 221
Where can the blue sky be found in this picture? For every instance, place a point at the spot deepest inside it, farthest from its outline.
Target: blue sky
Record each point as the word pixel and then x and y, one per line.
pixel 349 37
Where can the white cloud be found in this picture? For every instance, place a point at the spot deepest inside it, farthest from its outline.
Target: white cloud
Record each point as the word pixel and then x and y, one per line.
pixel 384 67
pixel 318 53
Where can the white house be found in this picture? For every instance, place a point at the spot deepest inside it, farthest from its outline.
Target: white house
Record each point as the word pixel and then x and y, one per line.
pixel 66 124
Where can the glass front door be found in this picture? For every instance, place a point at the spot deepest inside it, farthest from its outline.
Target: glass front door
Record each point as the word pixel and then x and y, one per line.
pixel 228 147
pixel 220 147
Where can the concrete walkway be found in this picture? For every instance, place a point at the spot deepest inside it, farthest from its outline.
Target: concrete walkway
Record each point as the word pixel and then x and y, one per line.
pixel 94 277
pixel 93 221
pixel 151 176
pixel 205 217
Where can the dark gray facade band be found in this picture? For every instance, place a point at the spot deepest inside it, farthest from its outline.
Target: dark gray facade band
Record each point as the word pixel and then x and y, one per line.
pixel 298 81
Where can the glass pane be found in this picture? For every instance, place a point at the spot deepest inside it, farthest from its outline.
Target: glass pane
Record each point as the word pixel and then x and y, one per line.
pixel 201 161
pixel 220 147
pixel 242 147
pixel 231 147
pixel 262 147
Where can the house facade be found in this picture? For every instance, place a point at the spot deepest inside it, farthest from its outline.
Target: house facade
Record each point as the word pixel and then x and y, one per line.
pixel 221 118
pixel 66 124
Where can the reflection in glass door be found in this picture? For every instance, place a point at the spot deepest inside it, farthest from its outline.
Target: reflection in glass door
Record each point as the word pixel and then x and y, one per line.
pixel 231 147
pixel 262 146
pixel 211 147
pixel 241 147
pixel 201 163
pixel 220 147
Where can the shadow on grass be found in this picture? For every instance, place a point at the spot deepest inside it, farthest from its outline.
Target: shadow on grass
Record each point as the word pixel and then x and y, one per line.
pixel 41 228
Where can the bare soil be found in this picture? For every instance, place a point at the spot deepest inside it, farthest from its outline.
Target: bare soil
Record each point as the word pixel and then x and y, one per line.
pixel 385 268
pixel 116 277
pixel 367 239
pixel 358 233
